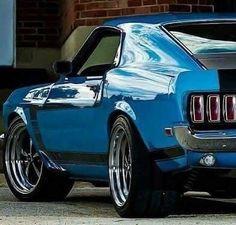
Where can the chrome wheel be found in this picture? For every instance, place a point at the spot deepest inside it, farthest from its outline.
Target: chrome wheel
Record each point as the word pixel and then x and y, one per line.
pixel 120 166
pixel 23 164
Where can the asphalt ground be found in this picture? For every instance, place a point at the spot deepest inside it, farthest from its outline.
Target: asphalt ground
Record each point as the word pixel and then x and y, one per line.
pixel 89 205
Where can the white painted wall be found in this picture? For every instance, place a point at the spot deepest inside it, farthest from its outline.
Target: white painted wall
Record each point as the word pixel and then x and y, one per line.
pixel 7 33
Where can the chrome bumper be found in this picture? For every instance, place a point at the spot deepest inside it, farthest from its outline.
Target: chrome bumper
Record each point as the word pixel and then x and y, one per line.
pixel 205 140
pixel 1 140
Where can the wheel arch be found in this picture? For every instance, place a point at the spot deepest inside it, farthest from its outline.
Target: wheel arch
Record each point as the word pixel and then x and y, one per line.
pixel 16 113
pixel 115 114
pixel 11 117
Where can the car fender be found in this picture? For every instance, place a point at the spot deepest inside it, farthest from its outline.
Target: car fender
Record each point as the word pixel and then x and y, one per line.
pixel 124 107
pixel 20 112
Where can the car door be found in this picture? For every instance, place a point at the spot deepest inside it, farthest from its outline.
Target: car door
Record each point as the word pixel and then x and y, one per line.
pixel 71 123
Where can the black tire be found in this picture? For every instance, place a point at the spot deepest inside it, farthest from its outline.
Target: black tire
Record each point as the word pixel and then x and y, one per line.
pixel 144 199
pixel 30 182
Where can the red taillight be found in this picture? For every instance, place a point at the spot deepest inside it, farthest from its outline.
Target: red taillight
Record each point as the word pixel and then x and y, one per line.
pixel 230 108
pixel 197 108
pixel 214 108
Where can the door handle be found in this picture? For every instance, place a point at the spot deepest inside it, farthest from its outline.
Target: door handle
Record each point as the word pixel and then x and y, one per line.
pixel 94 87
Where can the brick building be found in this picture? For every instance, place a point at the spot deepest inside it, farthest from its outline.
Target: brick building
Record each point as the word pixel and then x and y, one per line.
pixel 43 26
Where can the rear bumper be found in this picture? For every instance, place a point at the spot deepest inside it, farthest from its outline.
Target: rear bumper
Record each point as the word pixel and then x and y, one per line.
pixel 205 140
pixel 197 145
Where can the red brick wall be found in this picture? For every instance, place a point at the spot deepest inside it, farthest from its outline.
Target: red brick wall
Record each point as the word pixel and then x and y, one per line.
pixel 37 23
pixel 93 12
pixel 47 23
pixel 67 19
pixel 90 12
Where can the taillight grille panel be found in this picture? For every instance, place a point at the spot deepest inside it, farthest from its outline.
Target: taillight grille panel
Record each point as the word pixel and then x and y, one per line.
pixel 212 108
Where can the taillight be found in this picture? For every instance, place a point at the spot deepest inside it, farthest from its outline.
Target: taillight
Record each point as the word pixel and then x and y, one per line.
pixel 214 108
pixel 230 108
pixel 197 108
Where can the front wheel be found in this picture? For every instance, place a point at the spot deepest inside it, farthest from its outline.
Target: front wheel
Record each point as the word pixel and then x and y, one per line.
pixel 24 170
pixel 130 176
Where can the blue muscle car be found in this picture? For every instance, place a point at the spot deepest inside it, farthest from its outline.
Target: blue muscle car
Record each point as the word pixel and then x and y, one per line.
pixel 148 106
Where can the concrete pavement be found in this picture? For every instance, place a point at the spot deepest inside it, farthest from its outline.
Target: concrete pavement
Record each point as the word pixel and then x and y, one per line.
pixel 89 205
pixel 93 206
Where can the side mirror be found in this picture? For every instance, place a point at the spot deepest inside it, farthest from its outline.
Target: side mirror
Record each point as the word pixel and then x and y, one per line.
pixel 62 67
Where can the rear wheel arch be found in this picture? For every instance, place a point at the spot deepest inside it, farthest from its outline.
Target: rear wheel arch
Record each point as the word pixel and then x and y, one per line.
pixel 142 198
pixel 113 117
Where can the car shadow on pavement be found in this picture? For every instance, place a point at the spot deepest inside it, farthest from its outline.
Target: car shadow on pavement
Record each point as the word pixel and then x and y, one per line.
pixel 188 206
pixel 205 205
pixel 92 195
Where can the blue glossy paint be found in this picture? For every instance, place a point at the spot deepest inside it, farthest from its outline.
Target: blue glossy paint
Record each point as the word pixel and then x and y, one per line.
pixel 150 85
pixel 176 164
pixel 87 172
pixel 148 43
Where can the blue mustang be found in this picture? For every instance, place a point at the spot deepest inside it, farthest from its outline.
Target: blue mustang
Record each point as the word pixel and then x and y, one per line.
pixel 147 105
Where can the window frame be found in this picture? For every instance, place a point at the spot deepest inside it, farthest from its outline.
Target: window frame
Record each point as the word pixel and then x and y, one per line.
pixel 90 45
pixel 165 26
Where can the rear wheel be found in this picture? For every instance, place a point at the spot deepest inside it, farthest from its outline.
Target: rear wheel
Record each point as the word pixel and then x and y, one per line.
pixel 24 170
pixel 130 175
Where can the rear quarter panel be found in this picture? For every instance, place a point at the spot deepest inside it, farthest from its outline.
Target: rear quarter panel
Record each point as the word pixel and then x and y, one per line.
pixel 143 95
pixel 155 100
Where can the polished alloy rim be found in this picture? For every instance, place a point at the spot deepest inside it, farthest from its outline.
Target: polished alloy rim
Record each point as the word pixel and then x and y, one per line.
pixel 23 164
pixel 120 166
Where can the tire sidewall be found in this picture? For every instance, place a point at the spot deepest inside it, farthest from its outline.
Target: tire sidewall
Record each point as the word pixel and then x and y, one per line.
pixel 18 122
pixel 140 178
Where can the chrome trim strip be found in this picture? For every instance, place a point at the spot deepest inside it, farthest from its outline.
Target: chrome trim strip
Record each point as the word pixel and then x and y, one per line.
pixel 205 140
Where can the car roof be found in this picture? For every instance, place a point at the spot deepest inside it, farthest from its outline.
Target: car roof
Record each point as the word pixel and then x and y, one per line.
pixel 163 18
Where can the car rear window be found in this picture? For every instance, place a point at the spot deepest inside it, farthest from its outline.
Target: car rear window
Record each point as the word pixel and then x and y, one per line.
pixel 206 38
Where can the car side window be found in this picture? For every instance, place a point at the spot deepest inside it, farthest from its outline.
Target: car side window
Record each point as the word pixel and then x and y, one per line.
pixel 103 51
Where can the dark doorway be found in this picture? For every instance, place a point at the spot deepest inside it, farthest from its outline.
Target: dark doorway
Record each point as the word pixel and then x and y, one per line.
pixel 225 5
